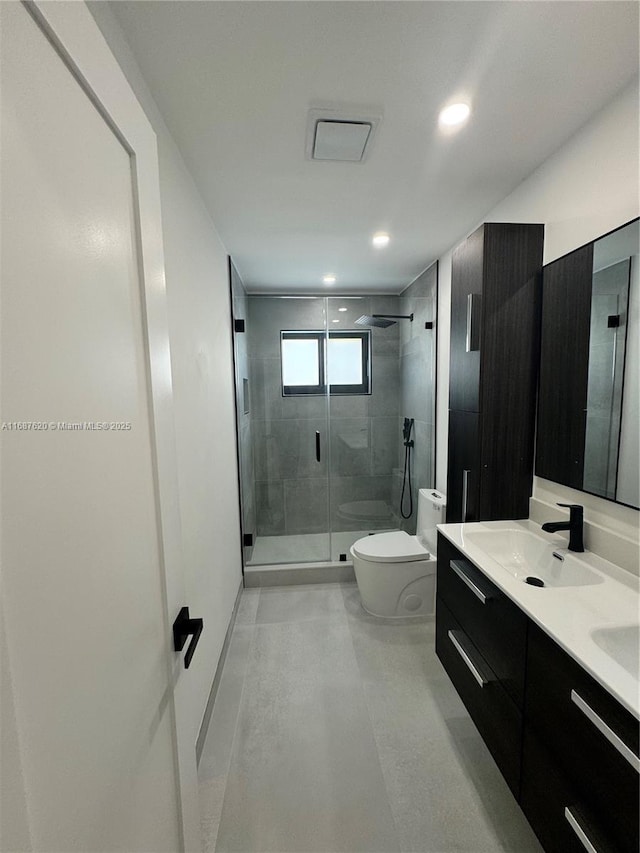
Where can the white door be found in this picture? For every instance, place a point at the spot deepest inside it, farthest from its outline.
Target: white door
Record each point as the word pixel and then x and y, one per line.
pixel 91 577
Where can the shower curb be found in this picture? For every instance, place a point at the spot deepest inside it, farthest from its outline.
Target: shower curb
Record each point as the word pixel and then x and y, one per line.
pixel 294 574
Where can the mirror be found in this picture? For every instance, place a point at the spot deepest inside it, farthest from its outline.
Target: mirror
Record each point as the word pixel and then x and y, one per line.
pixel 588 411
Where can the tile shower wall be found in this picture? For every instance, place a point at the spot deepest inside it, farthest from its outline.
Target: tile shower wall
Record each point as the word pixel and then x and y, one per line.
pixel 364 429
pixel 243 408
pixel 417 384
pixel 294 493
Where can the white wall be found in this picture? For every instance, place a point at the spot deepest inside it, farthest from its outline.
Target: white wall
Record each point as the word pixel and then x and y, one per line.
pixel 588 187
pixel 200 333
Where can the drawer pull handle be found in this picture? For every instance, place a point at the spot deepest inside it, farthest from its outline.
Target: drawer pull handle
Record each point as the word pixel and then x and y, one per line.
pixel 604 729
pixel 458 568
pixel 579 831
pixel 475 672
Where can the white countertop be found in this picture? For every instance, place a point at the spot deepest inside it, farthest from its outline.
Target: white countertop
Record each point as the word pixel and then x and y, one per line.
pixel 567 614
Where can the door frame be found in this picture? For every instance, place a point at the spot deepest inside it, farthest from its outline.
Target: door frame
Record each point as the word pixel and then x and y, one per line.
pixel 74 34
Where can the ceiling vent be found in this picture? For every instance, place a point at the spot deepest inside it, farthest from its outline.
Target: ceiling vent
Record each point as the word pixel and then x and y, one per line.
pixel 339 136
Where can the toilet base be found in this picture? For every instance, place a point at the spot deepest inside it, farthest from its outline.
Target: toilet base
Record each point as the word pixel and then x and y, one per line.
pixel 396 590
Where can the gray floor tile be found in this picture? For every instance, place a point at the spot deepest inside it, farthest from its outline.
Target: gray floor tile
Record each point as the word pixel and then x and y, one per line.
pixel 305 774
pixel 248 607
pixel 445 790
pixel 299 604
pixel 336 731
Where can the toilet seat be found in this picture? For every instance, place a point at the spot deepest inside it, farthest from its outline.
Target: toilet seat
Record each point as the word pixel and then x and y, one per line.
pixel 394 547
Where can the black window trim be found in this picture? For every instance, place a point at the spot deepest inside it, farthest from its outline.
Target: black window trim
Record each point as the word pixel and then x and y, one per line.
pixel 321 388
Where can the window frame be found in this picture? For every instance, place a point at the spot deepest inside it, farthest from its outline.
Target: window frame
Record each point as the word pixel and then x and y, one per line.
pixel 320 389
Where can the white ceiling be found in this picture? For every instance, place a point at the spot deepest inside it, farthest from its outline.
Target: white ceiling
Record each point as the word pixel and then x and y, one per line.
pixel 235 81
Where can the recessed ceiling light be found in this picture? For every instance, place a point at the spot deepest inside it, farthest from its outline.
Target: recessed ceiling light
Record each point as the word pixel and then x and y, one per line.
pixel 342 309
pixel 329 279
pixel 335 321
pixel 380 239
pixel 454 114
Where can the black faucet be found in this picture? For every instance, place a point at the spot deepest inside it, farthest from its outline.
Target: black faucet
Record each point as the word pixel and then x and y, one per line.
pixel 574 526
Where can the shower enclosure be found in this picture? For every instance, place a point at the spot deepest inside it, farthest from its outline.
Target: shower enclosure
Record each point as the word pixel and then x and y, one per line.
pixel 321 403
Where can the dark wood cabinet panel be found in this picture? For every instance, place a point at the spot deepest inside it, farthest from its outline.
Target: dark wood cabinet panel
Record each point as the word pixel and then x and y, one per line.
pixel 607 785
pixel 496 626
pixel 546 794
pixel 508 404
pixel 466 279
pixel 500 263
pixel 496 716
pixel 463 488
pixel 566 304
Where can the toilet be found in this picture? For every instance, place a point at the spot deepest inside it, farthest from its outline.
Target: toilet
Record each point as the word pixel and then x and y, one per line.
pixel 396 572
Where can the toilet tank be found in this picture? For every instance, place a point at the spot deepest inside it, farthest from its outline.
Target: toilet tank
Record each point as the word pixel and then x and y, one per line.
pixel 431 511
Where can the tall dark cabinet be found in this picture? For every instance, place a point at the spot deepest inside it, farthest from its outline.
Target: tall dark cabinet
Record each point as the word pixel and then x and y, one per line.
pixel 495 329
pixel 564 368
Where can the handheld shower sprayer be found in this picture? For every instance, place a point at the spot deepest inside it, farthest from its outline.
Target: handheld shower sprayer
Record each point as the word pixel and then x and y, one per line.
pixel 408 444
pixel 406 431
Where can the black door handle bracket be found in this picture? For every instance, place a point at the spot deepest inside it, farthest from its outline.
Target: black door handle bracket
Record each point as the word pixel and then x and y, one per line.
pixel 183 627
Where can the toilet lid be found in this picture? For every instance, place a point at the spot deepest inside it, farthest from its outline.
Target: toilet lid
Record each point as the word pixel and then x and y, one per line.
pixel 395 547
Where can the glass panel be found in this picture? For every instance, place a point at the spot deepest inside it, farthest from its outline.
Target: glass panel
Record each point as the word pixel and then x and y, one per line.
pixel 604 390
pixel 370 486
pixel 344 361
pixel 365 433
pixel 289 484
pixel 300 361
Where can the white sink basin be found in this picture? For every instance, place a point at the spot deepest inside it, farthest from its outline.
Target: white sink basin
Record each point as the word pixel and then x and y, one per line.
pixel 622 644
pixel 525 555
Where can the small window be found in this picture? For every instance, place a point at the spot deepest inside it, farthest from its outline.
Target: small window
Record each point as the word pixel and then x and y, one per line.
pixel 347 363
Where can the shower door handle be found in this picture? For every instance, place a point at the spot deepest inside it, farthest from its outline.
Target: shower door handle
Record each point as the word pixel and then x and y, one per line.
pixel 317 446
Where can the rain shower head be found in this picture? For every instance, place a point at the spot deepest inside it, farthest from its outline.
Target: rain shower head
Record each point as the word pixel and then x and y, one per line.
pixel 378 322
pixel 382 321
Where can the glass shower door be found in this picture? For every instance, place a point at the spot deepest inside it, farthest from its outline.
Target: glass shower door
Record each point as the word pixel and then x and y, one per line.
pixel 373 478
pixel 363 419
pixel 289 424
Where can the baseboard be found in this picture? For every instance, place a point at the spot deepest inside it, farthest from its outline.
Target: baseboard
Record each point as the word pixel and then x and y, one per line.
pixel 208 711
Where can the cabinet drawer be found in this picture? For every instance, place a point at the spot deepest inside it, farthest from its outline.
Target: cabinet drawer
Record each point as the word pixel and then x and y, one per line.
pixel 491 620
pixel 554 808
pixel 495 714
pixel 592 738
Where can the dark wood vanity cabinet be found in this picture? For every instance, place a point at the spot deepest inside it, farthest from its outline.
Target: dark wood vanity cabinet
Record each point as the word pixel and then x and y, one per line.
pixel 481 641
pixel 495 321
pixel 567 749
pixel 580 756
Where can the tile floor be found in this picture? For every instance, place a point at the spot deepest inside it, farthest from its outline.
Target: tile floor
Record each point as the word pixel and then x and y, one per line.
pixel 334 731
